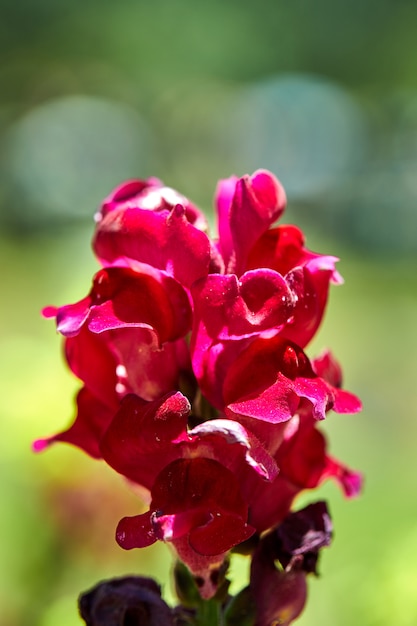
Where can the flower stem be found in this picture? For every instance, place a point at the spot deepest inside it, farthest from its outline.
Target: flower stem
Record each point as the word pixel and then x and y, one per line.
pixel 209 614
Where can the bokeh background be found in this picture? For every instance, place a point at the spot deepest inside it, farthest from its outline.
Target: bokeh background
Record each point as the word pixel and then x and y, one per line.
pixel 322 93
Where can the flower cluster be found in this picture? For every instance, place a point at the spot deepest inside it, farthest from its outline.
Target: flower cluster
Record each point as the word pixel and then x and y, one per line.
pixel 195 381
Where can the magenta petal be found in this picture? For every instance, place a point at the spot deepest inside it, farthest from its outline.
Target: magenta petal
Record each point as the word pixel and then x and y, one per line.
pixel 271 376
pixel 326 366
pixel 316 391
pixel 276 404
pixel 129 193
pixel 304 464
pixel 92 420
pixel 49 311
pixel 307 273
pixel 150 195
pixel 223 200
pixel 229 312
pixel 229 308
pixel 123 297
pixel 325 263
pixel 350 481
pixel 135 532
pixel 165 241
pixel 262 381
pixel 70 318
pixel 258 201
pixel 310 291
pixel 346 402
pixel 272 503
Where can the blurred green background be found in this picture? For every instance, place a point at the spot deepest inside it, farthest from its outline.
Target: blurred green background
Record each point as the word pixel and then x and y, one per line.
pixel 322 93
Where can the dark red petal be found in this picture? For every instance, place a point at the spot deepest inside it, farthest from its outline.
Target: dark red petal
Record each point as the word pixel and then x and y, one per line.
pixel 302 457
pixel 220 534
pixel 272 503
pixel 92 360
pixel 282 249
pixel 198 481
pixel 130 297
pixel 138 442
pixel 149 371
pixel 207 493
pixel 135 532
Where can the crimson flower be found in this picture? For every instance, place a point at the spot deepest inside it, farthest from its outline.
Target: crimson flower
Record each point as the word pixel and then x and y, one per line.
pixel 196 384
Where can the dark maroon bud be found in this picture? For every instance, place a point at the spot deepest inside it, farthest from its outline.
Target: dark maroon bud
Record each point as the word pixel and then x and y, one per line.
pixel 129 601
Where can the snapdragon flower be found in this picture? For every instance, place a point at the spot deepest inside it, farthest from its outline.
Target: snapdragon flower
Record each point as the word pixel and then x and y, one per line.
pixel 196 384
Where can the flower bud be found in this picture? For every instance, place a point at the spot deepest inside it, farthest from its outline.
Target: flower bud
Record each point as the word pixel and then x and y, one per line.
pixel 129 601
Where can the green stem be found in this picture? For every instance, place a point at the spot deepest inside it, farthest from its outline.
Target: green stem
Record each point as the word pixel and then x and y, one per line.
pixel 209 614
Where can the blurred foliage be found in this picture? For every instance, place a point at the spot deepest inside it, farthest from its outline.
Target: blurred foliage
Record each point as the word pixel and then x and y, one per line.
pixel 325 95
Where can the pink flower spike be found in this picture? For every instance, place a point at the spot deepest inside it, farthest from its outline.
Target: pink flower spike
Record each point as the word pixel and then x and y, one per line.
pixel 197 389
